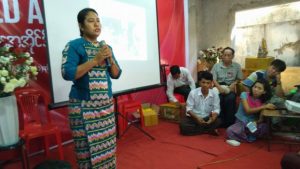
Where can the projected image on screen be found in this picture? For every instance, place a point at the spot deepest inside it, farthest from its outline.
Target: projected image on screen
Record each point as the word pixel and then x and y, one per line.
pixel 128 26
pixel 125 29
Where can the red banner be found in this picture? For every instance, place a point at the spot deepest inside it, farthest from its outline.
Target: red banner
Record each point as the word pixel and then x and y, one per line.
pixel 22 23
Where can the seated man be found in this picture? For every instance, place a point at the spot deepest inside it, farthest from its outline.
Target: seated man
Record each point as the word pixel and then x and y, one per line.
pixel 226 75
pixel 179 81
pixel 290 161
pixel 202 109
pixel 273 75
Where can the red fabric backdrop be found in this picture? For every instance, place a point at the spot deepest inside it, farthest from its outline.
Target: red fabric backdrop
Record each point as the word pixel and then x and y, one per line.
pixel 171 40
pixel 171 31
pixel 22 22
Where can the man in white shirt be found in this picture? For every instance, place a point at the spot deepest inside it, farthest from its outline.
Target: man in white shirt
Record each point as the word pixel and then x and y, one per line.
pixel 179 81
pixel 202 109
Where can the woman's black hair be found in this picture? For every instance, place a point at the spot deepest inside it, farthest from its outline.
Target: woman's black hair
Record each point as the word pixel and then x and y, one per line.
pixel 81 16
pixel 267 88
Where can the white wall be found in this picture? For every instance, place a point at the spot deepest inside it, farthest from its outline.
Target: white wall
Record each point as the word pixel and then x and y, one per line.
pixel 211 21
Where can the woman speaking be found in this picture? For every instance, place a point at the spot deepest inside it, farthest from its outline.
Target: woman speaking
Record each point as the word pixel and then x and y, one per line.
pixel 91 65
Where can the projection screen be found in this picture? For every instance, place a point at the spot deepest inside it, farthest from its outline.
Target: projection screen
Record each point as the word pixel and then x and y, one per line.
pixel 129 26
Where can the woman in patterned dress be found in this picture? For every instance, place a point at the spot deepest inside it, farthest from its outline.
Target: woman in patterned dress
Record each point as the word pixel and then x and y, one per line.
pixel 91 106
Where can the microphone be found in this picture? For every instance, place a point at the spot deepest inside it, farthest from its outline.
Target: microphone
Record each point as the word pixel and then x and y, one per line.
pixel 103 43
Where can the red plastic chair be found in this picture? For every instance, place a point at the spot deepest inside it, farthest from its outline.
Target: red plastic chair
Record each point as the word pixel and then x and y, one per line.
pixel 121 120
pixel 127 106
pixel 29 103
pixel 179 97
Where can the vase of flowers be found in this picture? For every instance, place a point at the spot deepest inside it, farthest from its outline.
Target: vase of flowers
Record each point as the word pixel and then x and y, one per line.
pixel 16 69
pixel 208 57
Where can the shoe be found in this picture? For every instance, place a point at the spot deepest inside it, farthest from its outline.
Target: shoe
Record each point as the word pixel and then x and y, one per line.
pixel 233 142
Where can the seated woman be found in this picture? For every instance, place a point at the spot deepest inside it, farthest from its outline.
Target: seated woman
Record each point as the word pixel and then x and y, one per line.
pixel 252 103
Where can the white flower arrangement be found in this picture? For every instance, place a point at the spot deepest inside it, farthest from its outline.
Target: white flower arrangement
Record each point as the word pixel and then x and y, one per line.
pixel 16 67
pixel 211 54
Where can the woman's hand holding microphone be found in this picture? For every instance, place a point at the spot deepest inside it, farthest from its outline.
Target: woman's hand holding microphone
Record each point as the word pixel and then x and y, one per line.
pixel 103 54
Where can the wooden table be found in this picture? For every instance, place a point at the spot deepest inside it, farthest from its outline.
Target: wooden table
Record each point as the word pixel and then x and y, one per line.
pixel 269 114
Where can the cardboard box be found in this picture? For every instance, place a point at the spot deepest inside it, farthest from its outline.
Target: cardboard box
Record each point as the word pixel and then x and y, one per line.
pixel 150 117
pixel 171 111
pixel 152 106
pixel 290 78
pixel 247 72
pixel 150 113
pixel 255 63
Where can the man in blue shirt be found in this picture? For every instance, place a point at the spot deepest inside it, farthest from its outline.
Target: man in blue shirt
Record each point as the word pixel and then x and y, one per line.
pixel 273 75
